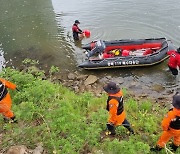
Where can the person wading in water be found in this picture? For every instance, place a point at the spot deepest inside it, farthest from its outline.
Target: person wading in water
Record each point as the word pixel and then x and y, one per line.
pixel 77 32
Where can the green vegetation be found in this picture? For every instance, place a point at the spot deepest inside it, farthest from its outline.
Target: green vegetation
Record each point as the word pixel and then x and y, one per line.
pixel 69 123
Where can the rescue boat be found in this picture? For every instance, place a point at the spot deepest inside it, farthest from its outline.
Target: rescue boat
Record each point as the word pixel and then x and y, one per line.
pixel 126 53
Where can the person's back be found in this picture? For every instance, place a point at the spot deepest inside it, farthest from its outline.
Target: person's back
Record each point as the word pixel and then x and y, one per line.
pixel 174 60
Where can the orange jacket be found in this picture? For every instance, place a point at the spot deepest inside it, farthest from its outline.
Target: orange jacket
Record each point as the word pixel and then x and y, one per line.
pixel 169 117
pixel 8 84
pixel 113 106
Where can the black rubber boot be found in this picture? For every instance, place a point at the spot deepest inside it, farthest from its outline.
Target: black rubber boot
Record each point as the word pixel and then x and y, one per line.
pixel 174 147
pixel 10 120
pixel 6 120
pixel 111 128
pixel 157 148
pixel 127 125
pixel 130 130
pixel 14 120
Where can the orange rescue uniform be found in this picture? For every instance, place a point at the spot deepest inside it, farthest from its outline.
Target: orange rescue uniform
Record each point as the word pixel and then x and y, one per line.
pixel 113 108
pixel 169 132
pixel 6 102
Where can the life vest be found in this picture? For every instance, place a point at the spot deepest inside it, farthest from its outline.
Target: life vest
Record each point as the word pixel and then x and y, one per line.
pixel 120 107
pixel 175 123
pixel 3 91
pixel 173 59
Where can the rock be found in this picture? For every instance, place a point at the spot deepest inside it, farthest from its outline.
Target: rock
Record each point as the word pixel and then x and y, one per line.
pixel 81 88
pixel 17 150
pixel 71 76
pixel 89 88
pixel 143 95
pixel 76 88
pixel 90 80
pixel 118 80
pixel 76 83
pixel 158 88
pixel 1 136
pixel 39 149
pixel 82 77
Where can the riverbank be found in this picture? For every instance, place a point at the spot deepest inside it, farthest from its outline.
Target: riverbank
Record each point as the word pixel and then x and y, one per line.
pixel 58 120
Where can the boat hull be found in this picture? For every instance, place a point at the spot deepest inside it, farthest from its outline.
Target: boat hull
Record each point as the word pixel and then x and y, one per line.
pixel 130 61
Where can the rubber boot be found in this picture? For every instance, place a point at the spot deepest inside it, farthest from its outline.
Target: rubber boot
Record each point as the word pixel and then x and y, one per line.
pixel 174 147
pixel 157 148
pixel 10 120
pixel 131 130
pixel 111 129
pixel 14 120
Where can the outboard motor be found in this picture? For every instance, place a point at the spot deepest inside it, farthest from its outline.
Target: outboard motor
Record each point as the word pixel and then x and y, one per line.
pixel 98 49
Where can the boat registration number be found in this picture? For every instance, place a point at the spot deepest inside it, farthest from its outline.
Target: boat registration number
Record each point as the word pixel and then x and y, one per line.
pixel 118 63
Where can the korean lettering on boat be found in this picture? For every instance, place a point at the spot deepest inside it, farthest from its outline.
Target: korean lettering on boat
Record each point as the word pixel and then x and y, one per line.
pixel 118 63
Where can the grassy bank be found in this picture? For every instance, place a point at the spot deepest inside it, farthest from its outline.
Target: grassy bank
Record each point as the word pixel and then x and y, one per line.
pixel 69 123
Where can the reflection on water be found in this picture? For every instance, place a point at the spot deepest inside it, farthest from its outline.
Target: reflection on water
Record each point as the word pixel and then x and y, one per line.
pixel 29 30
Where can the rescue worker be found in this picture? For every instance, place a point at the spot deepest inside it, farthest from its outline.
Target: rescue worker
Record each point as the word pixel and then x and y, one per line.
pixel 76 30
pixel 170 126
pixel 115 108
pixel 5 100
pixel 174 61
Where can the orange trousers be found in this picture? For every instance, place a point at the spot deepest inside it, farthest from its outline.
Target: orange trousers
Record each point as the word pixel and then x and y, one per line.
pixel 167 135
pixel 5 106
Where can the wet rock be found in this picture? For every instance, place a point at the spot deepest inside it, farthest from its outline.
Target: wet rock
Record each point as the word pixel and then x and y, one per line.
pixel 170 91
pixel 143 95
pixel 158 88
pixel 133 84
pixel 118 80
pixel 90 80
pixel 71 76
pixel 17 150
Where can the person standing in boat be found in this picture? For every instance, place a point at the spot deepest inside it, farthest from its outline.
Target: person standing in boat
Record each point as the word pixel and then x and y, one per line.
pixel 77 32
pixel 174 61
pixel 115 108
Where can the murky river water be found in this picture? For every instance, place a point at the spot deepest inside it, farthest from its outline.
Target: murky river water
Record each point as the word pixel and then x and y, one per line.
pixel 42 30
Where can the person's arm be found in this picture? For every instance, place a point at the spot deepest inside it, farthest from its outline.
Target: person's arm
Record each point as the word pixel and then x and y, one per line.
pixel 166 121
pixel 112 111
pixel 80 31
pixel 8 84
